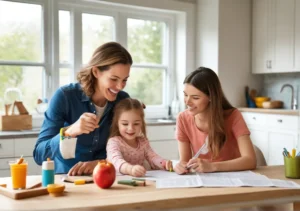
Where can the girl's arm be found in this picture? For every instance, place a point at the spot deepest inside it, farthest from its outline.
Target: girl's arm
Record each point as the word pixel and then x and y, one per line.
pixel 114 155
pixel 247 161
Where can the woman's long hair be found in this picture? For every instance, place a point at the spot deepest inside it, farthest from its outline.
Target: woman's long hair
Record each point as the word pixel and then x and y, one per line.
pixel 103 57
pixel 124 105
pixel 207 81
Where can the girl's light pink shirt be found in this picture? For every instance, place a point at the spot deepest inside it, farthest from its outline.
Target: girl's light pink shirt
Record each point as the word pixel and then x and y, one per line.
pixel 235 126
pixel 119 152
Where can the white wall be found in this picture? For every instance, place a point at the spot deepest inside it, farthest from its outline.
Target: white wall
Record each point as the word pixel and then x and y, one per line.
pixel 224 44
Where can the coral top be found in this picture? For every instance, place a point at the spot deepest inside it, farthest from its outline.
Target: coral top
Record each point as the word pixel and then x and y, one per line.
pixel 119 152
pixel 235 126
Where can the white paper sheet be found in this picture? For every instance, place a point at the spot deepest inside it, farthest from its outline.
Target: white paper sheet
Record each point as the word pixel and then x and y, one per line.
pixel 224 179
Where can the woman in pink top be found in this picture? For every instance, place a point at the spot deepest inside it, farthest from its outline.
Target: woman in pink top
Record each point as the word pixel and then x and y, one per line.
pixel 128 146
pixel 210 120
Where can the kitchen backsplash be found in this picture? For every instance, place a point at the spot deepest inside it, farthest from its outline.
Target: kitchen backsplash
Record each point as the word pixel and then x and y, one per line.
pixel 272 84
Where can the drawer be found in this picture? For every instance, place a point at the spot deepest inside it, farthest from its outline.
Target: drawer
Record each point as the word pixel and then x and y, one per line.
pixel 254 119
pixel 6 148
pixel 24 146
pixel 4 163
pixel 283 122
pixel 161 132
pixel 4 173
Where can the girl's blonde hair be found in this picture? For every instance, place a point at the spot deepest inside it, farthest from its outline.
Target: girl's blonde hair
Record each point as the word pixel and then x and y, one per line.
pixel 127 104
pixel 207 81
pixel 103 57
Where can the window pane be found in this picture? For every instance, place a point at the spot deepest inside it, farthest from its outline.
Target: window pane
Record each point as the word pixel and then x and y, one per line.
pixel 21 32
pixel 146 40
pixel 142 80
pixel 96 30
pixel 64 36
pixel 28 80
pixel 64 76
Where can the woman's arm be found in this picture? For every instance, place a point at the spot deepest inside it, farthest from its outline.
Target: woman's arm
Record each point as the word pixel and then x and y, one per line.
pixel 185 154
pixel 47 144
pixel 247 161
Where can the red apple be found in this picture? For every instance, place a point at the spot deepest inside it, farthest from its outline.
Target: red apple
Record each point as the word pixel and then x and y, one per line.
pixel 104 174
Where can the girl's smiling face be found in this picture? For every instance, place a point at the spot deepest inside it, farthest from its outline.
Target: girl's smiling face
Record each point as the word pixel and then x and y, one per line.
pixel 195 100
pixel 130 125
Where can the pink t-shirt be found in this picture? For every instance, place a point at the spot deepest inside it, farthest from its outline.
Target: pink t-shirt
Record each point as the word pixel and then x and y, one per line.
pixel 119 152
pixel 235 127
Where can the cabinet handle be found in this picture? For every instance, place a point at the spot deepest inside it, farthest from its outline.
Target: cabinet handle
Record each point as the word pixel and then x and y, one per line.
pixel 279 120
pixel 0 146
pixel 270 65
pixel 267 64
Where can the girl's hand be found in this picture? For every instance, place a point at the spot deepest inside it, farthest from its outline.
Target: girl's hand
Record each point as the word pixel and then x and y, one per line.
pixel 86 123
pixel 138 171
pixel 82 168
pixel 201 165
pixel 180 168
pixel 169 166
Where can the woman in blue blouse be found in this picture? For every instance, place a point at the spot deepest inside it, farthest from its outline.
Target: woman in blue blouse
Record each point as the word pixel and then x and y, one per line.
pixel 76 125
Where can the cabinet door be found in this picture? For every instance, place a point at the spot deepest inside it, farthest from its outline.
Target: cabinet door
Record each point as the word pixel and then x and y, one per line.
pixel 297 36
pixel 260 139
pixel 167 149
pixel 277 141
pixel 260 36
pixel 33 168
pixel 24 146
pixel 281 35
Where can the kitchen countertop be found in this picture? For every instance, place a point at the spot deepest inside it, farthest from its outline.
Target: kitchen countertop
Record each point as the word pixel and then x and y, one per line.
pixel 271 111
pixel 35 131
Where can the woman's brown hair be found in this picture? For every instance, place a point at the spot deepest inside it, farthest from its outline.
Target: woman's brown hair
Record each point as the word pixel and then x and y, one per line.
pixel 127 104
pixel 207 81
pixel 103 57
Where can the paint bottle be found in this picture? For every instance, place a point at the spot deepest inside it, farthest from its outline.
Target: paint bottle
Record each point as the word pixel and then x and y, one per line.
pixel 47 172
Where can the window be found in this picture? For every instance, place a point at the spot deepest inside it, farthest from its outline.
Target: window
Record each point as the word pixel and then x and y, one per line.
pixel 146 41
pixel 22 60
pixel 65 70
pixel 49 41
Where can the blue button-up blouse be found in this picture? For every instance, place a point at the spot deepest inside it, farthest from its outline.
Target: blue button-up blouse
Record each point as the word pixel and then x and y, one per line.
pixel 66 106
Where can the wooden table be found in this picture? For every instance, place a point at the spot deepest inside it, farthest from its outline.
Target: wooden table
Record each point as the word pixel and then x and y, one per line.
pixel 121 197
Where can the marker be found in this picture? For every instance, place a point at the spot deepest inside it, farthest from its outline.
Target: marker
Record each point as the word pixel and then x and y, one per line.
pixel 293 153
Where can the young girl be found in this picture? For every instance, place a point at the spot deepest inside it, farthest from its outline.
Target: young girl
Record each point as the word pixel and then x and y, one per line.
pixel 128 146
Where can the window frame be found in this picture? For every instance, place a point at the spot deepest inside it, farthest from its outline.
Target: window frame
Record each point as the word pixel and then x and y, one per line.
pixel 45 64
pixel 120 13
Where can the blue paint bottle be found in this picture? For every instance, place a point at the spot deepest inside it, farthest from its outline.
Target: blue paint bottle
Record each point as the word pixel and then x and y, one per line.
pixel 47 172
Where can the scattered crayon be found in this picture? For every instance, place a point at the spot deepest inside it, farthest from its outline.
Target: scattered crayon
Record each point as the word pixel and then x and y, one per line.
pixel 79 182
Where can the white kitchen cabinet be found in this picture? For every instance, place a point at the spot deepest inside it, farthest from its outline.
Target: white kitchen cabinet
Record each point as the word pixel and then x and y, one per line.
pixel 272 132
pixel 12 149
pixel 162 140
pixel 277 141
pixel 274 34
pixel 259 137
pixel 297 35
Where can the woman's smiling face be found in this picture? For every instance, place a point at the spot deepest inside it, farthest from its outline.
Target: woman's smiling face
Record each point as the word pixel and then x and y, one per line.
pixel 111 81
pixel 195 100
